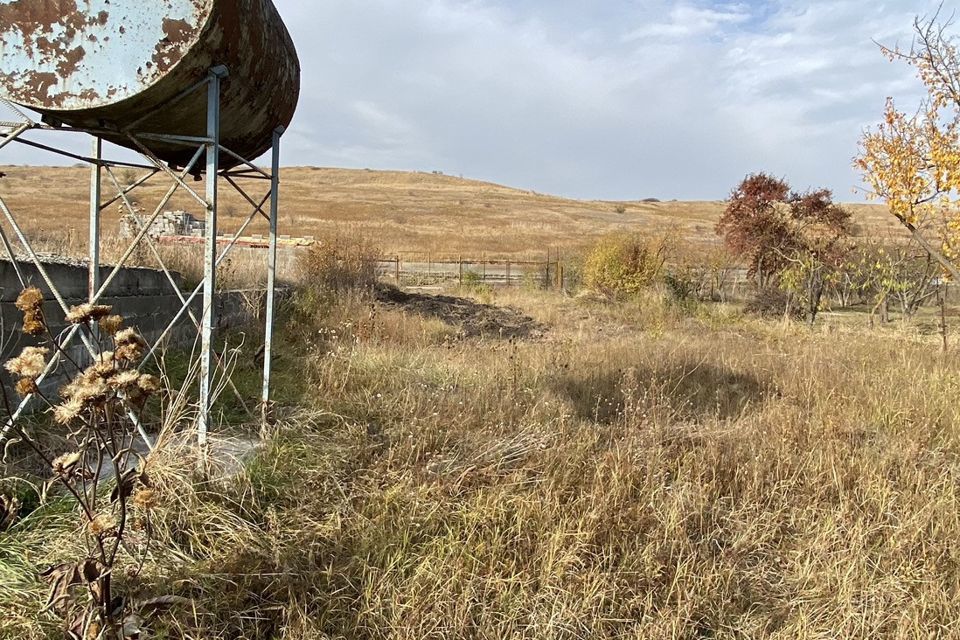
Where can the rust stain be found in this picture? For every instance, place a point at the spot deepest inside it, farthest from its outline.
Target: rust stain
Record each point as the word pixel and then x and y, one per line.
pixel 169 50
pixel 71 62
pixel 31 16
pixel 6 79
pixel 177 31
pixel 39 83
pixel 44 44
pixel 35 21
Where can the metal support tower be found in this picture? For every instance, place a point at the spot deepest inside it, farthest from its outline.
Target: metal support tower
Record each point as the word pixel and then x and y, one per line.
pixel 217 248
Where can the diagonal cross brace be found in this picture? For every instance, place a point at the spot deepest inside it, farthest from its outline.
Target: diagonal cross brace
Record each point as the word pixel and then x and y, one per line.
pixel 223 255
pixel 173 284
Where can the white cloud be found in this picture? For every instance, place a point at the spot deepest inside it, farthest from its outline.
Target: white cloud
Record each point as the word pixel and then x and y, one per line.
pixel 687 21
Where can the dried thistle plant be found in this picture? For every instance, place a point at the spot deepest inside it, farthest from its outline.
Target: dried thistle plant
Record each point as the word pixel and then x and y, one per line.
pixel 101 407
pixel 30 303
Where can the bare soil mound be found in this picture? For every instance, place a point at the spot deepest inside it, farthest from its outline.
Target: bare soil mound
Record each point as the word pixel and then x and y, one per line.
pixel 473 319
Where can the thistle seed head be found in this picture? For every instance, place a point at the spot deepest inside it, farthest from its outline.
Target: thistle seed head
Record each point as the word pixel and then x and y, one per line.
pixel 68 412
pixel 30 299
pixel 30 363
pixel 111 325
pixel 85 313
pixel 27 387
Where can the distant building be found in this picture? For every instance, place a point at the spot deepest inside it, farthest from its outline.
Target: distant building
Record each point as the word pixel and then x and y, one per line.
pixel 169 223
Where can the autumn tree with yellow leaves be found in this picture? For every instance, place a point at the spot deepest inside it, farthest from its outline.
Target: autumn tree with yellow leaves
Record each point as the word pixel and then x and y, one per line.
pixel 912 161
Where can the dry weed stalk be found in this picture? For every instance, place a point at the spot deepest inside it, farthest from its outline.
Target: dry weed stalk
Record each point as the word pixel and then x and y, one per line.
pixel 100 409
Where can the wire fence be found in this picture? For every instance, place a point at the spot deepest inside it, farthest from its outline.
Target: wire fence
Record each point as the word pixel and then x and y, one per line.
pixel 426 269
pixel 554 272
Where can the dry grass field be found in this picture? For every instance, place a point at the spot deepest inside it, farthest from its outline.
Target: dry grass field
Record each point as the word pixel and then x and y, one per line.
pixel 625 470
pixel 405 212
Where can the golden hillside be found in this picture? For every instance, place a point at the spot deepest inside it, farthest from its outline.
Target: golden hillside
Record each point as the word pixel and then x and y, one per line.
pixel 401 211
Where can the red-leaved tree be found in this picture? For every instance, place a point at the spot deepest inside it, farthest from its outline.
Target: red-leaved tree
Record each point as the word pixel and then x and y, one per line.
pixel 769 226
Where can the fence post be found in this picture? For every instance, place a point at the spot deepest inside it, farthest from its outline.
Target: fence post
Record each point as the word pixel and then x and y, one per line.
pixel 460 266
pixel 546 273
pixel 508 273
pixel 397 270
pixel 484 267
pixel 559 282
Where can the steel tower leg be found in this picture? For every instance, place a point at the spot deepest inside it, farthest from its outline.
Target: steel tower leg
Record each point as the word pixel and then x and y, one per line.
pixel 271 273
pixel 210 255
pixel 96 170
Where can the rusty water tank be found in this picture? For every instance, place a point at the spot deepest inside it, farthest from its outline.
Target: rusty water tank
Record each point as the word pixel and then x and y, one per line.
pixel 107 64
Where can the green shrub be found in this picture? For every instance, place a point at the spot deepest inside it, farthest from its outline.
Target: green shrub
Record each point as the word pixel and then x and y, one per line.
pixel 624 264
pixel 682 285
pixel 472 279
pixel 474 284
pixel 684 288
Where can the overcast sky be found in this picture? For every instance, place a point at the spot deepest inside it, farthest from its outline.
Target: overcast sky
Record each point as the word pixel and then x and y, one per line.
pixel 612 99
pixel 616 99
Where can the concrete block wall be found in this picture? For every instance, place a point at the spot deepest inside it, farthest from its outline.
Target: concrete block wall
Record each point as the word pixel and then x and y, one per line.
pixel 143 297
pixel 70 279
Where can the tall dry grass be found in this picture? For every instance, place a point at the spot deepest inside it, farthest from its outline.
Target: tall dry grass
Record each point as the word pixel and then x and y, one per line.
pixel 641 472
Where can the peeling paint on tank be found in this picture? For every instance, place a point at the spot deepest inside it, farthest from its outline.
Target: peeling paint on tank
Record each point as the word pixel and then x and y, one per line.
pixel 117 61
pixel 90 50
pixel 70 62
pixel 40 83
pixel 177 30
pixel 37 16
pixel 176 33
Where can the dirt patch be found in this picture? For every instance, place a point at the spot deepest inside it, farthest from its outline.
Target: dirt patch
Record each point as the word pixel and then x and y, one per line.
pixel 474 320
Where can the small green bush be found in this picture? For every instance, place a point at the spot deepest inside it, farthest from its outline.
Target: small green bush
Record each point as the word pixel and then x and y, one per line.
pixel 472 279
pixel 684 289
pixel 682 285
pixel 624 264
pixel 474 284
